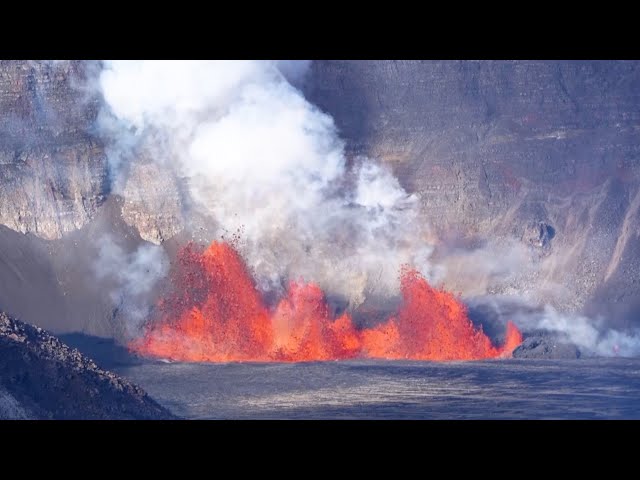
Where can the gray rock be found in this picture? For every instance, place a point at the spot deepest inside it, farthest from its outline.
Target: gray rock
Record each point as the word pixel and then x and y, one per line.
pixel 53 171
pixel 494 145
pixel 538 234
pixel 41 377
pixel 152 203
pixel 10 408
pixel 546 346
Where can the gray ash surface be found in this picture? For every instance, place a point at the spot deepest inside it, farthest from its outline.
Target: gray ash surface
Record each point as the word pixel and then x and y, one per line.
pixel 589 388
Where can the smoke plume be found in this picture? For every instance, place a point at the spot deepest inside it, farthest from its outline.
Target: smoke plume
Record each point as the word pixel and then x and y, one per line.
pixel 591 335
pixel 258 158
pixel 132 276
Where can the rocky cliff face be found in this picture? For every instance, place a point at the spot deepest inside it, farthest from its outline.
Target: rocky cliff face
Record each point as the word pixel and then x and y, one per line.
pixel 152 202
pixel 40 377
pixel 53 171
pixel 544 154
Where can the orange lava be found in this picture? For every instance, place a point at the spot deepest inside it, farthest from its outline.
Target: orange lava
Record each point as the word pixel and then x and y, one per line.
pixel 216 314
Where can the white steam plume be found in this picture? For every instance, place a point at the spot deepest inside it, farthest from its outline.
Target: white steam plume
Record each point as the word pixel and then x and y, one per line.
pixel 132 276
pixel 257 155
pixel 590 335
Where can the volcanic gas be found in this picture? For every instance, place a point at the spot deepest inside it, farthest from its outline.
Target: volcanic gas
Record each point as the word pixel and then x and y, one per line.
pixel 214 313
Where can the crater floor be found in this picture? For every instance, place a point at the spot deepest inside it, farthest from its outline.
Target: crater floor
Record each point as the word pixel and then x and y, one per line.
pixel 500 389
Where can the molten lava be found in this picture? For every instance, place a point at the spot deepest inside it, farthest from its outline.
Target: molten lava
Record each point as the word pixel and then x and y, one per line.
pixel 432 325
pixel 216 314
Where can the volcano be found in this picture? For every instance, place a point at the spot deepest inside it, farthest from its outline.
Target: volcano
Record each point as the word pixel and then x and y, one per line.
pixel 404 224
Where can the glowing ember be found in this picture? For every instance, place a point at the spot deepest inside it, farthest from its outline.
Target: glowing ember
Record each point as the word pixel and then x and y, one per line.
pixel 216 314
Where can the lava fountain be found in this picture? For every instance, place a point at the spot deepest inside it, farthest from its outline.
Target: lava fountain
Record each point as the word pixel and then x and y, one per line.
pixel 215 313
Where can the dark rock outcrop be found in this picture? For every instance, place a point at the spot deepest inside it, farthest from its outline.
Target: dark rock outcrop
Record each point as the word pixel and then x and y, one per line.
pixel 546 346
pixel 41 377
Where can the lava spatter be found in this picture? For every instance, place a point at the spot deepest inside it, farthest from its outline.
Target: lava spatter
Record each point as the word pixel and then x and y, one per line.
pixel 216 314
